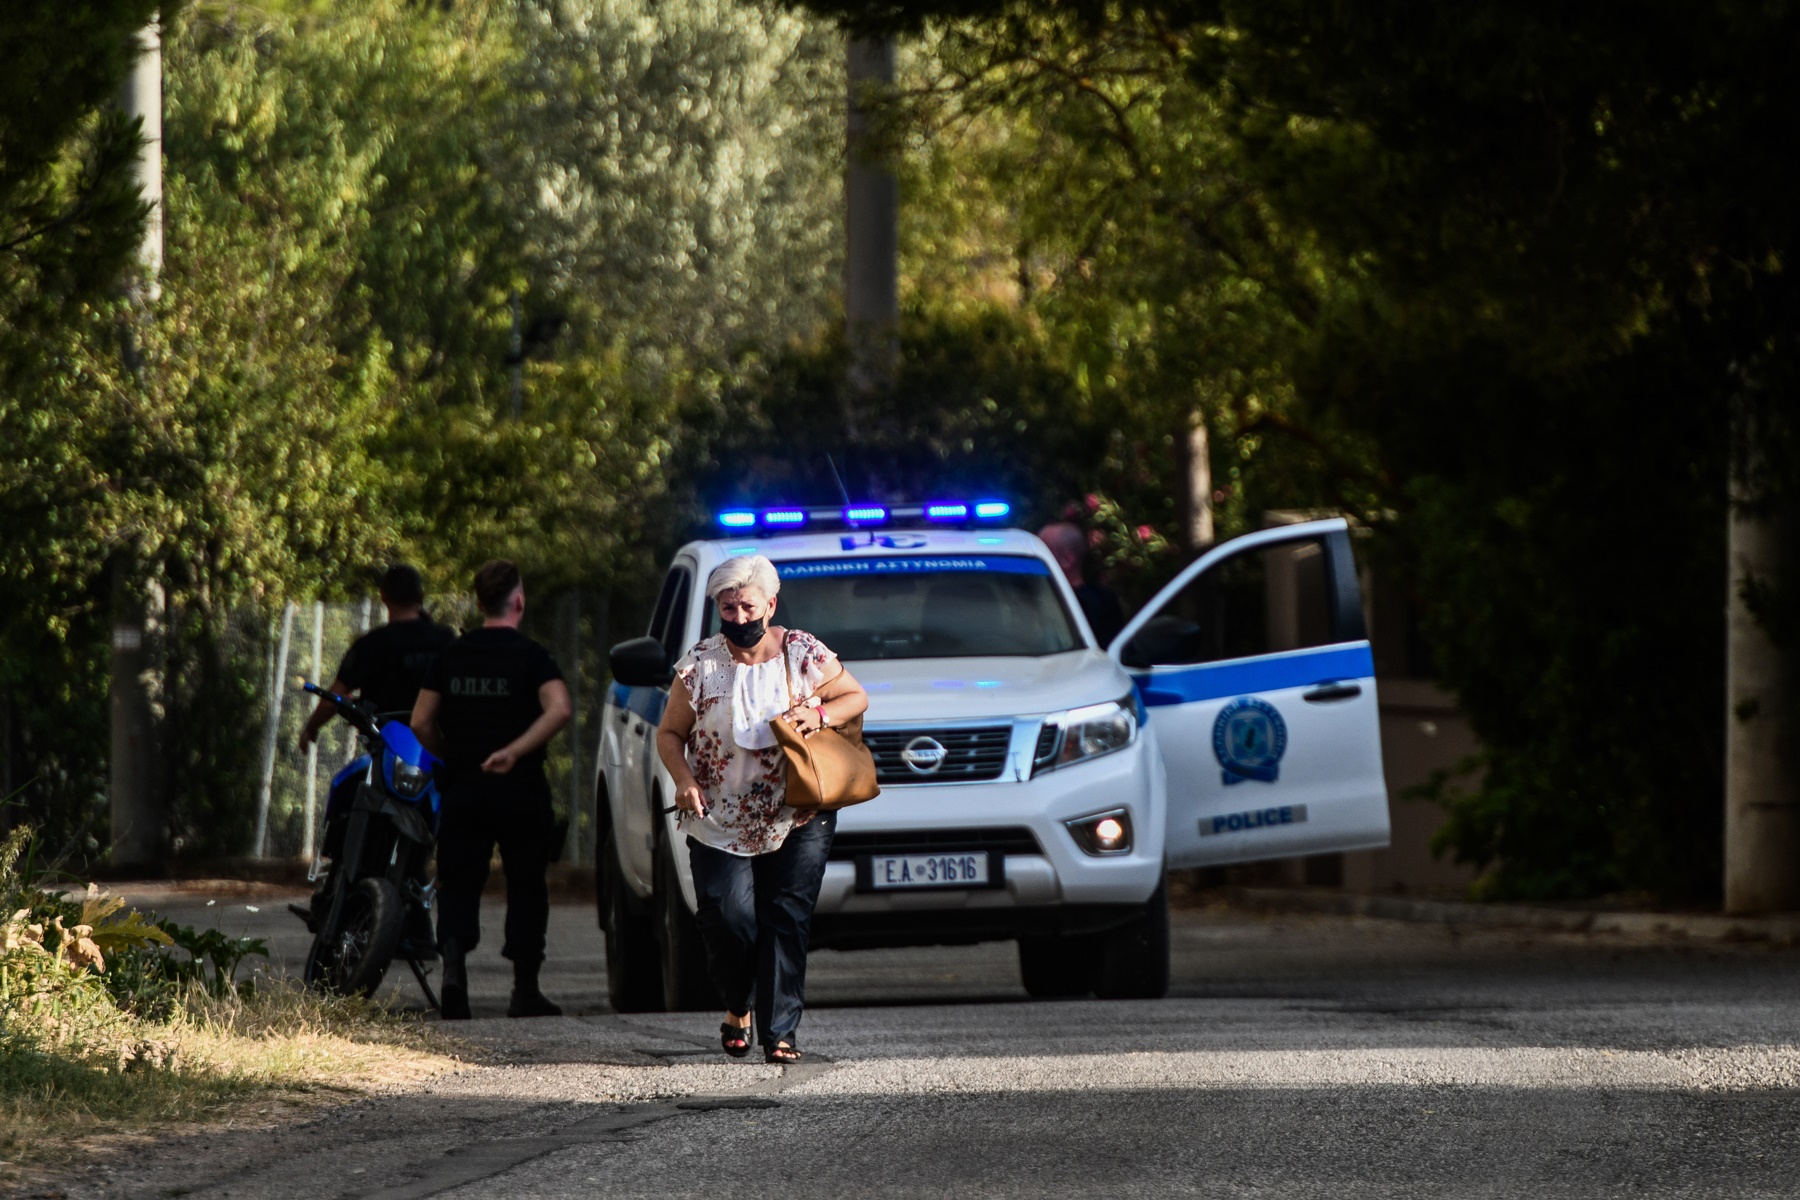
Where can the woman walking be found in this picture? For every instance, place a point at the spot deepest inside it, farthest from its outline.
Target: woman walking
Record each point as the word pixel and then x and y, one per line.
pixel 757 863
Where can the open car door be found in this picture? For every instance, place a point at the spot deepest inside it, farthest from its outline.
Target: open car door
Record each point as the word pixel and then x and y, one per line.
pixel 1255 669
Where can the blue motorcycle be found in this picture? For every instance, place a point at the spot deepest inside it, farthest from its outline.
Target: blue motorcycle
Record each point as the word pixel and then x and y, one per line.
pixel 374 901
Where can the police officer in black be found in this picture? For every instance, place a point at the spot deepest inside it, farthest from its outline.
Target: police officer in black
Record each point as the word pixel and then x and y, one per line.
pixel 490 704
pixel 386 666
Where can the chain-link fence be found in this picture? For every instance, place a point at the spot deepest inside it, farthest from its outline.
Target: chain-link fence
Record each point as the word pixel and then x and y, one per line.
pixel 308 640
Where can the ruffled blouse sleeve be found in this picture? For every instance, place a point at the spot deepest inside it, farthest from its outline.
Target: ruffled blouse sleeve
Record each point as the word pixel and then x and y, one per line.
pixel 687 669
pixel 813 662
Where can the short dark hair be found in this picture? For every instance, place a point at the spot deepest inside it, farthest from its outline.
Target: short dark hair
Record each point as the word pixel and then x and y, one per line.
pixel 402 584
pixel 495 582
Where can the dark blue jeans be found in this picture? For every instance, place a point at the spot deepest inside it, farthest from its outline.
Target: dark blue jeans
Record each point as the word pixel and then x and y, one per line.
pixel 755 917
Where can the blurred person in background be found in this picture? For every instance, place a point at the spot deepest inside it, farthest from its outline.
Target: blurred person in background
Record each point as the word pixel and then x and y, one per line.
pixel 1099 603
pixel 490 705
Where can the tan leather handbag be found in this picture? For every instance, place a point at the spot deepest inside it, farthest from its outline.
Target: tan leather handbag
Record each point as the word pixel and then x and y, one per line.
pixel 828 770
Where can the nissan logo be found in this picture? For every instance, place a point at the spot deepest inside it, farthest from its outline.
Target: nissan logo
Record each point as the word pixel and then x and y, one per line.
pixel 923 755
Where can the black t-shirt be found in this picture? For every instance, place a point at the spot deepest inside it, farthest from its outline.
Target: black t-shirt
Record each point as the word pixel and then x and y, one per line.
pixel 1100 605
pixel 487 683
pixel 389 663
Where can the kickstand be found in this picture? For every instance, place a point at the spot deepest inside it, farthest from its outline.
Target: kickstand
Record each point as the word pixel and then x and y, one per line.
pixel 424 986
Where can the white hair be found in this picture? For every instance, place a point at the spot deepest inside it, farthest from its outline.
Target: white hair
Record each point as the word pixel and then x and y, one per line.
pixel 743 571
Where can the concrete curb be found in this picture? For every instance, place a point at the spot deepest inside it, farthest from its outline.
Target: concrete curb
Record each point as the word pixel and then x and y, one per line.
pixel 1781 930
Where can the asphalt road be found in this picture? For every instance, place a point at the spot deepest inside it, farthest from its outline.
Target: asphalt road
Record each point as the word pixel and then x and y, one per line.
pixel 1297 1057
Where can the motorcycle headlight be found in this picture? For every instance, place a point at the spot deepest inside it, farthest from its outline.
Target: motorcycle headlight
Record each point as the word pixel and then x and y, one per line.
pixel 410 781
pixel 1084 733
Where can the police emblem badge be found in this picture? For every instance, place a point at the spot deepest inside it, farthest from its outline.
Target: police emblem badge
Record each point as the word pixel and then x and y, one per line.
pixel 1249 738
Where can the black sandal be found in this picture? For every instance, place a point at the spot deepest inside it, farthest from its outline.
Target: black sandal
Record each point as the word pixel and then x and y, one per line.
pixel 735 1039
pixel 782 1052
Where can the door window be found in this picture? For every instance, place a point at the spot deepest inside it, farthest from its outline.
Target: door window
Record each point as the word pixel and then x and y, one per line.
pixel 1262 600
pixel 659 619
pixel 674 634
pixel 669 623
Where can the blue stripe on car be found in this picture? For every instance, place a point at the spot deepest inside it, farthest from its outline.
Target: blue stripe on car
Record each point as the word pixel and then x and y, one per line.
pixel 992 564
pixel 1212 681
pixel 646 702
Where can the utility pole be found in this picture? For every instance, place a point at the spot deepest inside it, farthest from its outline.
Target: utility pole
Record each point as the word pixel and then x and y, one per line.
pixel 1762 691
pixel 136 776
pixel 872 235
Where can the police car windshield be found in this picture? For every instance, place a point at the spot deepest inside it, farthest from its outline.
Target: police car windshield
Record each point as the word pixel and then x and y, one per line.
pixel 964 606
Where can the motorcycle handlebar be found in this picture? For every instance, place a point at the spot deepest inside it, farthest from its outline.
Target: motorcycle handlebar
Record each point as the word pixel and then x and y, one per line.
pixel 363 722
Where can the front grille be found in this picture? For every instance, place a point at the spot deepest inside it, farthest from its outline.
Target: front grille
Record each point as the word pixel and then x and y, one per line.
pixel 1045 754
pixel 999 839
pixel 970 755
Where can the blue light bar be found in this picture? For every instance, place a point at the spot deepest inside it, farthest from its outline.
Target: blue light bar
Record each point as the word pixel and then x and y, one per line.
pixel 861 514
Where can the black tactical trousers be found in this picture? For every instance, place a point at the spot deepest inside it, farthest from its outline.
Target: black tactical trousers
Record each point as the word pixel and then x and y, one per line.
pixel 481 812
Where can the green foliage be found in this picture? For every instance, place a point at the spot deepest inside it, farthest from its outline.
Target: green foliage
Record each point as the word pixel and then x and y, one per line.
pixel 1547 252
pixel 354 192
pixel 151 983
pixel 69 213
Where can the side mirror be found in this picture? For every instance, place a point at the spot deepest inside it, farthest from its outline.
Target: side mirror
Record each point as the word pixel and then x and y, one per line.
pixel 641 662
pixel 1131 654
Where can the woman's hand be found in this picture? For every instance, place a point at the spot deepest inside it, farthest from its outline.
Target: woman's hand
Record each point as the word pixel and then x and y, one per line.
pixel 804 718
pixel 690 800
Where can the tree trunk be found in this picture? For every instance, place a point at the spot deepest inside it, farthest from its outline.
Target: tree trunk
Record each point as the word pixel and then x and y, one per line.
pixel 871 231
pixel 1196 462
pixel 135 771
pixel 1762 743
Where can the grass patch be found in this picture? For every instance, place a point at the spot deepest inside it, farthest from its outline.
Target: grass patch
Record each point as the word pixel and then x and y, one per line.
pixel 214 1058
pixel 114 1023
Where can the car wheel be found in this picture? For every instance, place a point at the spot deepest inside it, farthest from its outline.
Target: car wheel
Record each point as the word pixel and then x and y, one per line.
pixel 1134 958
pixel 686 986
pixel 1057 968
pixel 633 980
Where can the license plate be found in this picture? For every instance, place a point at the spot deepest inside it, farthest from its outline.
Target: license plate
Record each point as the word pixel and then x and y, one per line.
pixel 892 872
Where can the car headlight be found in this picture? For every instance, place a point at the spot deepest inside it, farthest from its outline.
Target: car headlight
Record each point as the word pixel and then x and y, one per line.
pixel 1084 733
pixel 1102 833
pixel 409 780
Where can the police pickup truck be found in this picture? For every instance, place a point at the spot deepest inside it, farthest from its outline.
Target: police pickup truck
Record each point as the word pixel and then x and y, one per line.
pixel 1035 788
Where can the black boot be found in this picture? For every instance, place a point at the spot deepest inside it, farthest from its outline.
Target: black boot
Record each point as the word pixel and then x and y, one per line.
pixel 453 998
pixel 527 1001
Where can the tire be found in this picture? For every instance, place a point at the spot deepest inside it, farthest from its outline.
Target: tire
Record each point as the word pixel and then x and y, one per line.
pixel 686 986
pixel 633 975
pixel 352 958
pixel 1134 959
pixel 1059 968
pixel 602 893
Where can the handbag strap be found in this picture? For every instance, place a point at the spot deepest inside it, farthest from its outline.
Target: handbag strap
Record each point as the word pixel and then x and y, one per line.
pixel 787 673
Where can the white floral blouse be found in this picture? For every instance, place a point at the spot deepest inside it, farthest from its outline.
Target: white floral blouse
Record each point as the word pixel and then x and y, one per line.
pixel 733 755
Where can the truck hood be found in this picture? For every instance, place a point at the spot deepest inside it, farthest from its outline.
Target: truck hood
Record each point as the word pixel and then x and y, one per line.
pixel 953 689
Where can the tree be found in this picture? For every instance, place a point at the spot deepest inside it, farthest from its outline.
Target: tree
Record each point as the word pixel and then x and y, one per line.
pixel 352 197
pixel 1560 238
pixel 69 212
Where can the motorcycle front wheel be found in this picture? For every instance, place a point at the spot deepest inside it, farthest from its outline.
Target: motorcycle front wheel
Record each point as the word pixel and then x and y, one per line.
pixel 352 958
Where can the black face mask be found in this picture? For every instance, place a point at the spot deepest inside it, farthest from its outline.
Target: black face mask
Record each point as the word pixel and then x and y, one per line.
pixel 744 634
